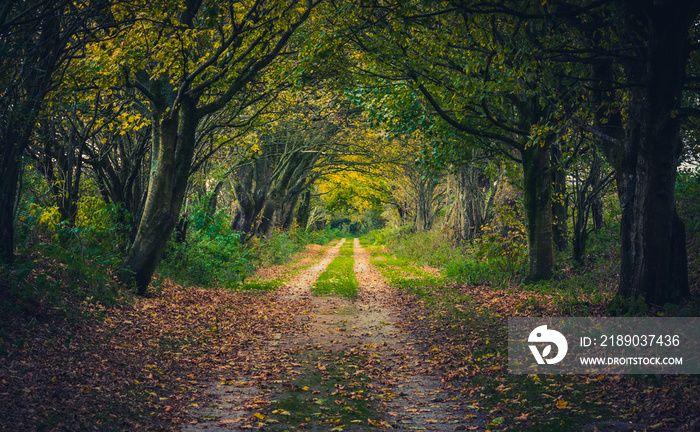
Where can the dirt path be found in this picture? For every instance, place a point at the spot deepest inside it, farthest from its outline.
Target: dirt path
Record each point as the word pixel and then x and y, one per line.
pixel 419 402
pixel 300 286
pixel 407 399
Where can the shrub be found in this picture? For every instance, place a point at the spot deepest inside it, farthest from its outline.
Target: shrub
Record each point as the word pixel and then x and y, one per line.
pixel 208 260
pixel 688 197
pixel 212 254
pixel 279 247
pixel 60 265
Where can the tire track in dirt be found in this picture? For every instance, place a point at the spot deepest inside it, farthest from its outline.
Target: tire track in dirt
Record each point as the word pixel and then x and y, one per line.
pixel 414 400
pixel 411 400
pixel 300 286
pixel 229 404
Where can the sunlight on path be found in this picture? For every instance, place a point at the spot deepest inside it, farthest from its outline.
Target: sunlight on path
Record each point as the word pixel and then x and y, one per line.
pixel 300 286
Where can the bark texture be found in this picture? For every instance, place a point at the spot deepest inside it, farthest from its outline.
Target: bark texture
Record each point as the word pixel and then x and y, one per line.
pixel 473 195
pixel 654 262
pixel 537 202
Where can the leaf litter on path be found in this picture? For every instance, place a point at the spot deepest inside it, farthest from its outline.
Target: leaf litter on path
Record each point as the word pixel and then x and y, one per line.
pixel 353 367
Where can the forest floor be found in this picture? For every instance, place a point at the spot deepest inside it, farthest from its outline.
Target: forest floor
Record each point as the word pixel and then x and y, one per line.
pixel 353 366
pixel 408 351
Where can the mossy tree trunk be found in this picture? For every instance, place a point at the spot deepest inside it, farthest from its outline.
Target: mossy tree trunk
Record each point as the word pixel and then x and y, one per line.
pixel 537 204
pixel 173 148
pixel 653 255
pixel 304 209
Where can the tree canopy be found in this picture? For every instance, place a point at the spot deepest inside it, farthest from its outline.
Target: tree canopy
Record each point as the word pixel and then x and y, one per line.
pixel 352 108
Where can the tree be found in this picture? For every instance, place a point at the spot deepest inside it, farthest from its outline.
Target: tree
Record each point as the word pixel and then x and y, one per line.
pixel 472 189
pixel 315 138
pixel 654 262
pixel 480 74
pixel 638 76
pixel 514 72
pixel 189 62
pixel 39 38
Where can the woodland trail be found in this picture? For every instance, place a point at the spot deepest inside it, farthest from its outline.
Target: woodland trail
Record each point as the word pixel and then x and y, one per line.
pixel 357 349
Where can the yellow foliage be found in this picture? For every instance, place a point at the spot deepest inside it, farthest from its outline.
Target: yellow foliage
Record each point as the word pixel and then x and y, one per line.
pixel 49 217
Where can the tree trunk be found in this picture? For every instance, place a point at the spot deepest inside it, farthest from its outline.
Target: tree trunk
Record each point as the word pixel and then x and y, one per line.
pixel 597 211
pixel 654 262
pixel 41 47
pixel 304 209
pixel 9 179
pixel 244 205
pixel 122 176
pixel 559 201
pixel 173 149
pixel 61 166
pixel 423 220
pixel 537 202
pixel 471 208
pixel 267 219
pixel 213 201
pixel 287 211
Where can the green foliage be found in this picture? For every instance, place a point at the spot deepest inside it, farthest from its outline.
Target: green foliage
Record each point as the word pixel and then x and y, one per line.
pixel 213 255
pixel 357 224
pixel 489 260
pixel 206 260
pixel 688 197
pixel 402 274
pixel 62 266
pixel 629 307
pixel 431 248
pixel 322 237
pixel 278 248
pixel 265 285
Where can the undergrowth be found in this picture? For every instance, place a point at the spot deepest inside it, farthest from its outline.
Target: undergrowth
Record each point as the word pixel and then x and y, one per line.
pixel 63 268
pixel 486 261
pixel 212 254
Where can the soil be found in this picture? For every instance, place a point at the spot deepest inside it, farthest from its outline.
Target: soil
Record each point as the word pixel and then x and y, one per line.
pixel 412 399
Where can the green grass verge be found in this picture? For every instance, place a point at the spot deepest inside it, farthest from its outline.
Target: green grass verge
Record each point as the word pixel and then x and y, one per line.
pixel 402 274
pixel 469 336
pixel 263 285
pixel 339 277
pixel 520 402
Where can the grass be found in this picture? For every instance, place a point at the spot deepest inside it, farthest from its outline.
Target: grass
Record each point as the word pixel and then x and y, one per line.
pixel 330 392
pixel 403 274
pixel 468 322
pixel 476 354
pixel 263 285
pixel 339 277
pixel 288 271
